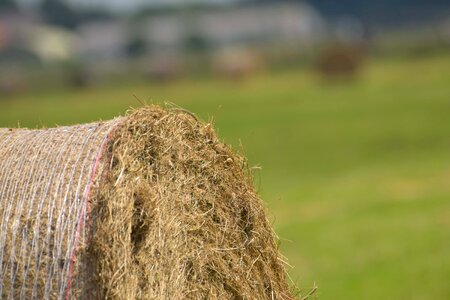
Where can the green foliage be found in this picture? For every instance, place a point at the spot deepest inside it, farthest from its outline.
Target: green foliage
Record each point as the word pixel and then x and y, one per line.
pixel 8 4
pixel 356 174
pixel 59 13
pixel 136 47
pixel 196 43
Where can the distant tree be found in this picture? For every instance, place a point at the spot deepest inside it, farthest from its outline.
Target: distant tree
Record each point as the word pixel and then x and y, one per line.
pixel 196 43
pixel 94 15
pixel 59 13
pixel 136 46
pixel 7 4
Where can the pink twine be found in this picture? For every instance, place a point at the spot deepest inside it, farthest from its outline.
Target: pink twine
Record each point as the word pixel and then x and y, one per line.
pixel 86 208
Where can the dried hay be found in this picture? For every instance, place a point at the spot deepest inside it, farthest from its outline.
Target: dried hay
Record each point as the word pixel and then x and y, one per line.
pixel 148 206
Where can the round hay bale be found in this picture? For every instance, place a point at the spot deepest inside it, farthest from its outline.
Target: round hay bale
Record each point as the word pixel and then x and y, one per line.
pixel 147 206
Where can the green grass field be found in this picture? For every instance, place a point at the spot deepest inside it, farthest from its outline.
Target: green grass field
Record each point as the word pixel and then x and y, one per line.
pixel 356 175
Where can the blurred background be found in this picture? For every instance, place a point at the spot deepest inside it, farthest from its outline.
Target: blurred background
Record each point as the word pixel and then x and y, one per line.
pixel 342 107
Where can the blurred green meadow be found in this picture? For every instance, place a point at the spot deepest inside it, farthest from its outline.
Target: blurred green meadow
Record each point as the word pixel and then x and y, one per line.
pixel 355 174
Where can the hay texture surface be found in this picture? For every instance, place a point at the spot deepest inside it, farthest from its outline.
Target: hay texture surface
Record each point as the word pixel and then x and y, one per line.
pixel 148 206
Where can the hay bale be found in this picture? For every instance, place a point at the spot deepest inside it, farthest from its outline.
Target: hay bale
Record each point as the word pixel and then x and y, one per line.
pixel 148 206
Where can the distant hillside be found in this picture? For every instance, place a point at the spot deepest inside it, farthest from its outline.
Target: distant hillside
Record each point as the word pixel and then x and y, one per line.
pixel 386 13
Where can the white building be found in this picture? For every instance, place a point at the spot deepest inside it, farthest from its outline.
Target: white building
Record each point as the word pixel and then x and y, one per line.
pixel 102 40
pixel 283 22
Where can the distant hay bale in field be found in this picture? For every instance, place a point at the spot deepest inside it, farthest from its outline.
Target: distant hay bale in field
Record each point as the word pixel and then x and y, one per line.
pixel 236 63
pixel 341 60
pixel 147 206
